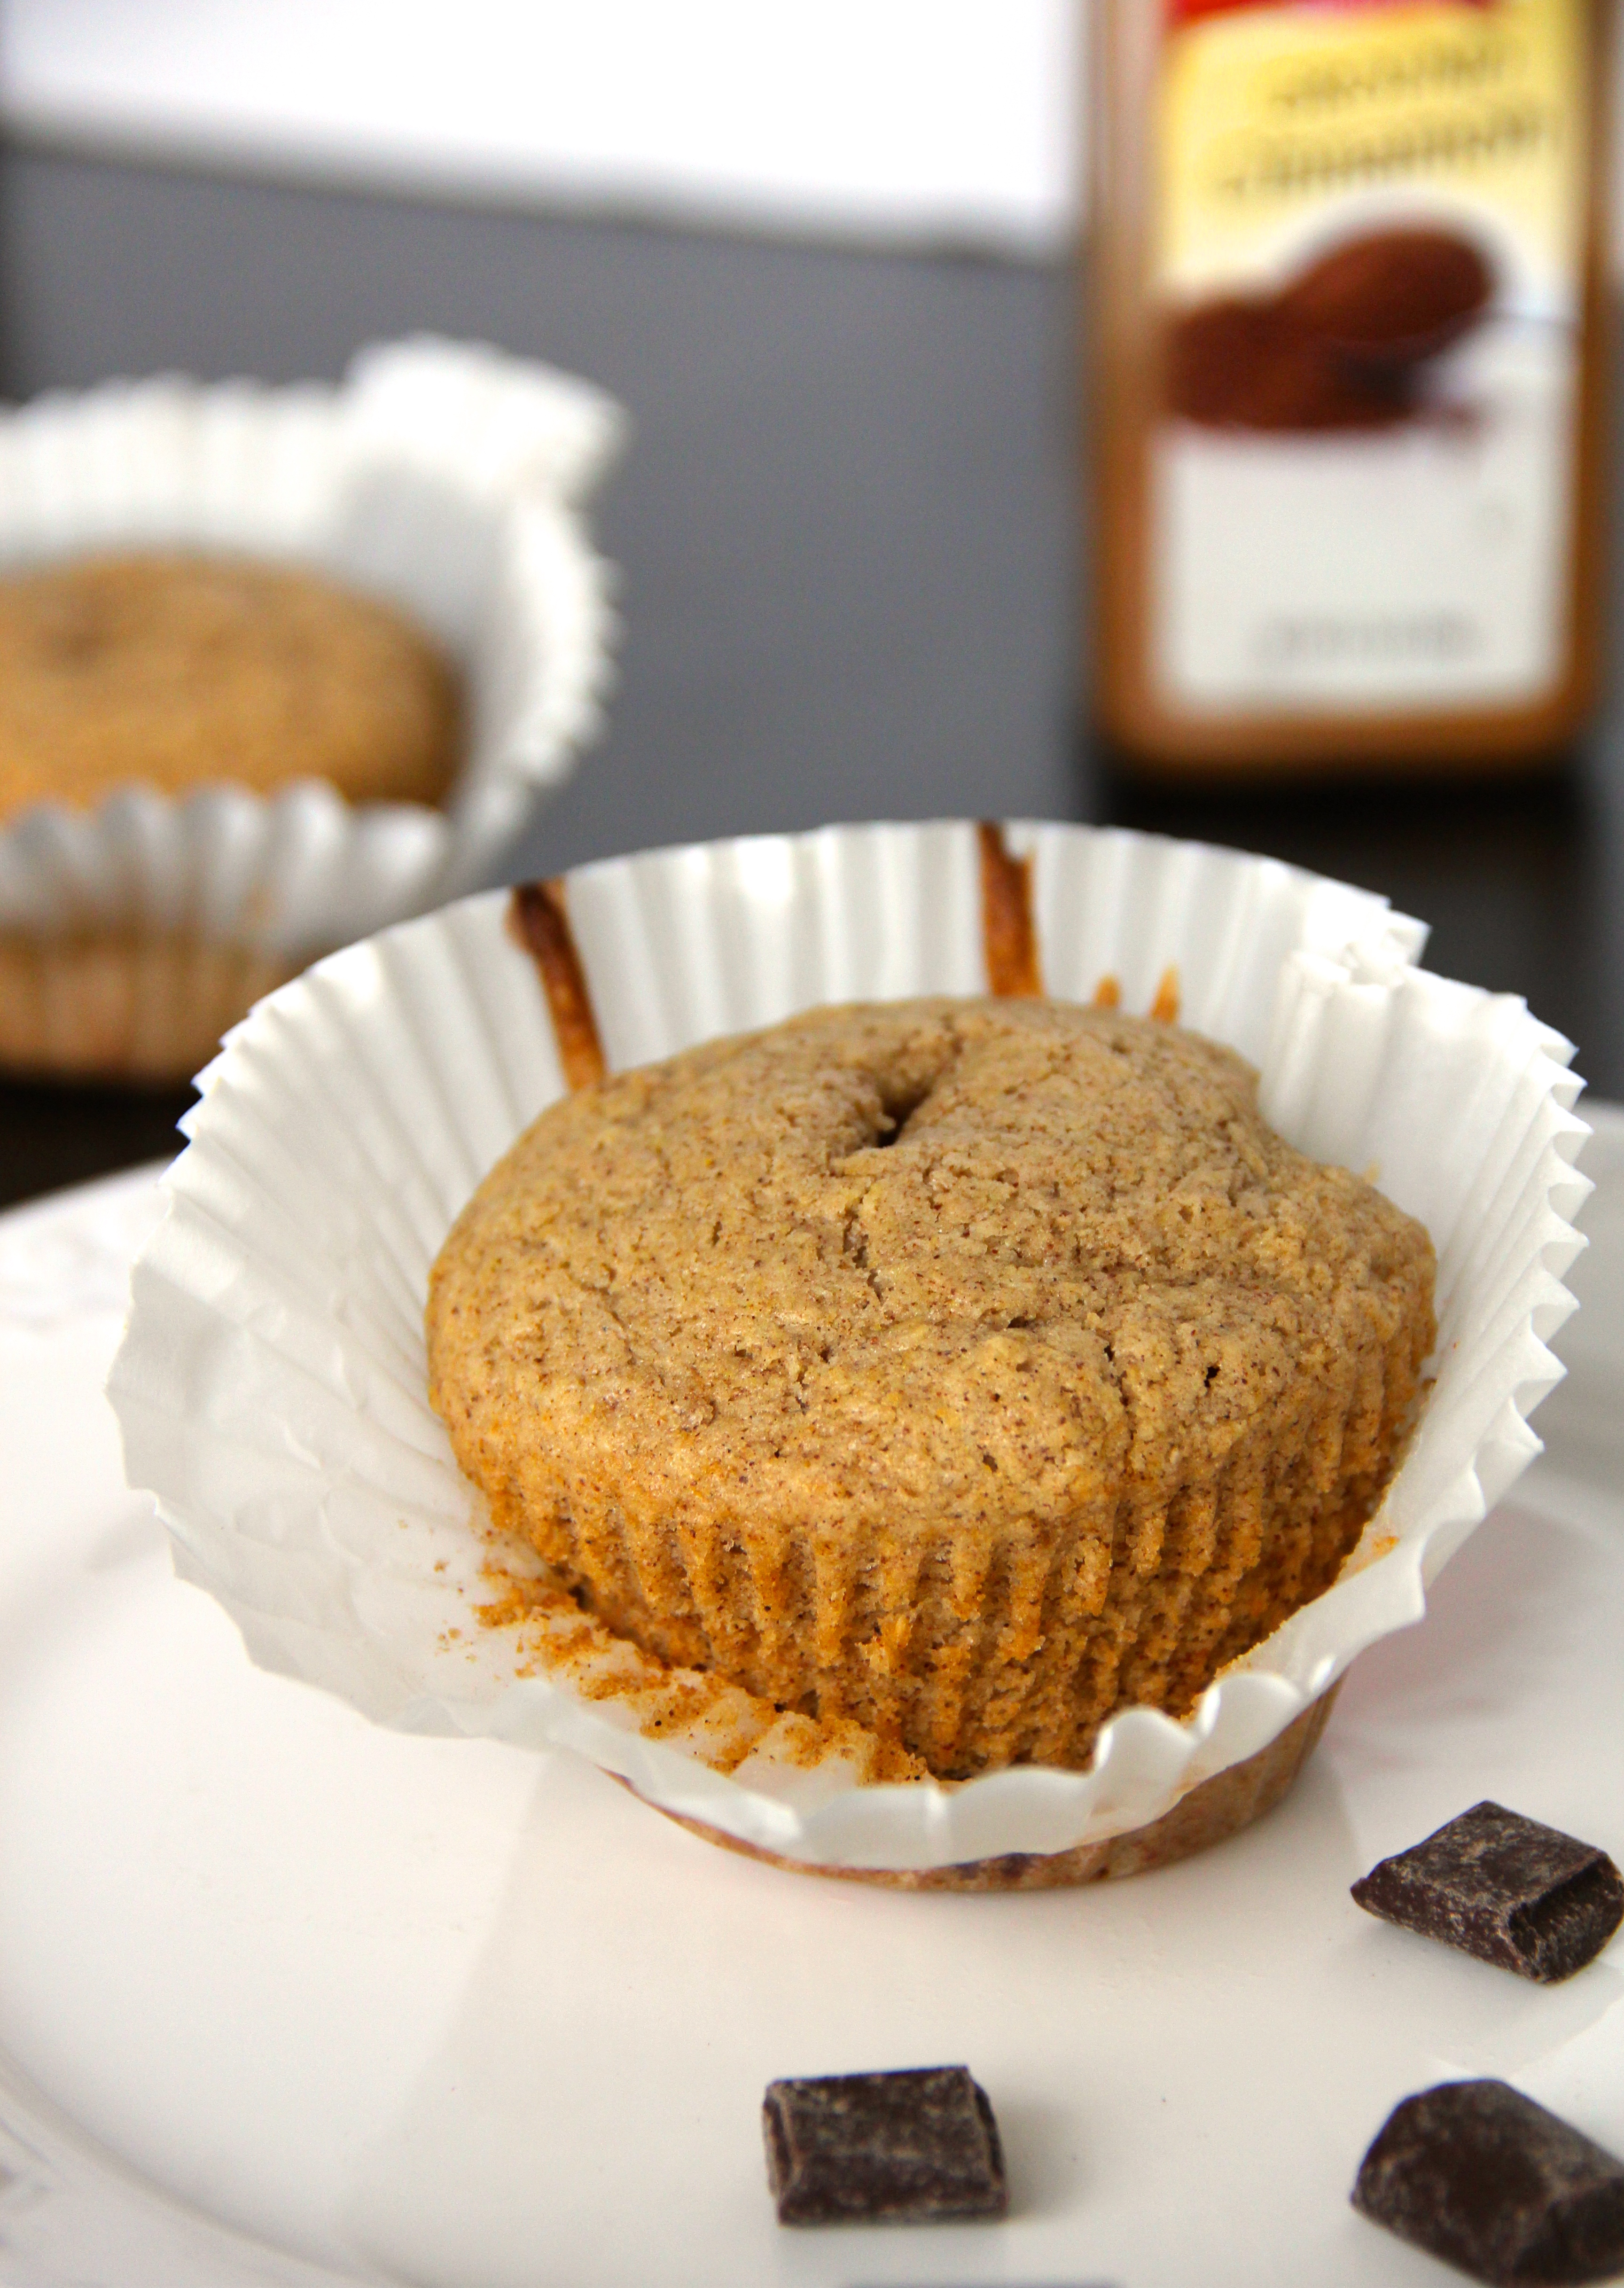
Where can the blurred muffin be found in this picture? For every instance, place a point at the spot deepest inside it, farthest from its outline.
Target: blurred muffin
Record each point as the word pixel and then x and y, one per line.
pixel 173 671
pixel 177 670
pixel 967 1369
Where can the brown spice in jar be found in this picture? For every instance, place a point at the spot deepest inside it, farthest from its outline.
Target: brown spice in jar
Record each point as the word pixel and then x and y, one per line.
pixel 1341 347
pixel 1393 294
pixel 1245 364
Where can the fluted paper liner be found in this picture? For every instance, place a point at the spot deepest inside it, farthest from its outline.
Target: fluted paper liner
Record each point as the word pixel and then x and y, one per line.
pixel 272 1384
pixel 444 477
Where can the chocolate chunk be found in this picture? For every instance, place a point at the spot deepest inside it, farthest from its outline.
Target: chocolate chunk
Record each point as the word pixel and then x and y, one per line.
pixel 1479 2174
pixel 1504 1888
pixel 911 2147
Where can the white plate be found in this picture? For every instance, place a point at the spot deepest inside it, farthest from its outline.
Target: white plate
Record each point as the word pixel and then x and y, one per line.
pixel 286 1997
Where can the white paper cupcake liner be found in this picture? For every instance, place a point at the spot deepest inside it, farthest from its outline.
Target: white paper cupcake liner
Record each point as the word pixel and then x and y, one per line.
pixel 272 1385
pixel 445 477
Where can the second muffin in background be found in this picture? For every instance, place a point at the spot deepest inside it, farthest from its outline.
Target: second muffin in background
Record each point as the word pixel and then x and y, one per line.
pixel 175 670
pixel 278 666
pixel 971 1369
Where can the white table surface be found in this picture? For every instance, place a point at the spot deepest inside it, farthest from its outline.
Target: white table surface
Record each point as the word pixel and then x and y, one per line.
pixel 285 1998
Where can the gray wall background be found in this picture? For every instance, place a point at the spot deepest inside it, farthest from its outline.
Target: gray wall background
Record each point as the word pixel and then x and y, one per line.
pixel 848 531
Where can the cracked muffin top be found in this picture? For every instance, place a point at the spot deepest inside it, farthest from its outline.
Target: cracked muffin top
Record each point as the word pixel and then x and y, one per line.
pixel 933 1262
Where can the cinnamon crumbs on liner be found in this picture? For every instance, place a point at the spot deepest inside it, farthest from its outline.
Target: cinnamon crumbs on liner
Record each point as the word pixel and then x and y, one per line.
pixel 698 1710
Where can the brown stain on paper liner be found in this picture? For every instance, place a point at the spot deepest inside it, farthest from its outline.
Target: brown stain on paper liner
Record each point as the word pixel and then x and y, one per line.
pixel 1014 972
pixel 1107 993
pixel 538 922
pixel 1165 1008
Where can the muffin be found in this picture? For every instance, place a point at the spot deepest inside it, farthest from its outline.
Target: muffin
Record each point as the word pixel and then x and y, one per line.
pixel 173 671
pixel 966 1369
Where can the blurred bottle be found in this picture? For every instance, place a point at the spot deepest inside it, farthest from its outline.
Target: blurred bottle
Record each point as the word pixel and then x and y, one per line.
pixel 1349 309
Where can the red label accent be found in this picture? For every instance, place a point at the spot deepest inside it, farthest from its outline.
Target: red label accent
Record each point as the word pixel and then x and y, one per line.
pixel 1189 11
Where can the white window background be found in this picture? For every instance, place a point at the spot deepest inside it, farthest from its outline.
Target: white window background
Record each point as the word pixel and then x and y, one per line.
pixel 916 121
pixel 919 123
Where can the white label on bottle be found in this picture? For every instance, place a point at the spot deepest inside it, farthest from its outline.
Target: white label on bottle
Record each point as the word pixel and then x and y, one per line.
pixel 1367 267
pixel 1420 566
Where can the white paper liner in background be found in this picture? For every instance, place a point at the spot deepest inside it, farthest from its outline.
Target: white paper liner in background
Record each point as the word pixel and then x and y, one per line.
pixel 272 1384
pixel 444 476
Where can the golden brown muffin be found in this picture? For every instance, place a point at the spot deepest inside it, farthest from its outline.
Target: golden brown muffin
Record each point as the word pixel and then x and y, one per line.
pixel 172 670
pixel 968 1369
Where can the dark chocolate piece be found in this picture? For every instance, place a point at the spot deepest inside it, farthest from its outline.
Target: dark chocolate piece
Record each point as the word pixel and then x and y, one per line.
pixel 1504 1888
pixel 905 2148
pixel 1477 2173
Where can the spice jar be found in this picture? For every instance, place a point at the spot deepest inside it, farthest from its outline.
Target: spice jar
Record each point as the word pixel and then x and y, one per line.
pixel 1347 323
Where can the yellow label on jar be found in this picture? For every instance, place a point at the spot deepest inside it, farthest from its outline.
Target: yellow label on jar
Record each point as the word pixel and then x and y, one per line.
pixel 1370 229
pixel 1274 117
